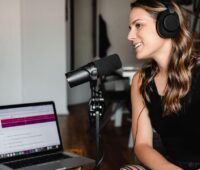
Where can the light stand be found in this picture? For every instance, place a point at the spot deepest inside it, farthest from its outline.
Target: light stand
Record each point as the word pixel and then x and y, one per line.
pixel 96 104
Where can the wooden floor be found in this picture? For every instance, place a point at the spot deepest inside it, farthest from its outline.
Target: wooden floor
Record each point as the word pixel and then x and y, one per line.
pixel 76 133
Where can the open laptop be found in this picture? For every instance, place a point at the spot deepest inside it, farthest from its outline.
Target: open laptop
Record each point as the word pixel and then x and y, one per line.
pixel 30 139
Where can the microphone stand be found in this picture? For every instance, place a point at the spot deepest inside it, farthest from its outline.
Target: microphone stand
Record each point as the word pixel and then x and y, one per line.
pixel 96 104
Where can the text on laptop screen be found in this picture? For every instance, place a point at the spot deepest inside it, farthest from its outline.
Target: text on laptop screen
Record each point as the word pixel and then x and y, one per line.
pixel 25 130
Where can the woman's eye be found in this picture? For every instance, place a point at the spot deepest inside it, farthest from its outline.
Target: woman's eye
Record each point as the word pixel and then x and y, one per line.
pixel 138 26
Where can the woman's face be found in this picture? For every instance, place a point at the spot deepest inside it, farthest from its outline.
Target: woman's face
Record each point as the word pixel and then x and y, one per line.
pixel 143 35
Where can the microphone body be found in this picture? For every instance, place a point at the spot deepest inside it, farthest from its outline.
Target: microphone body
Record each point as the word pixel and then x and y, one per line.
pixel 94 69
pixel 81 75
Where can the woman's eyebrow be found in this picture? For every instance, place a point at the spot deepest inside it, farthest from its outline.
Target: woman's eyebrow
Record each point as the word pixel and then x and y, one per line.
pixel 134 21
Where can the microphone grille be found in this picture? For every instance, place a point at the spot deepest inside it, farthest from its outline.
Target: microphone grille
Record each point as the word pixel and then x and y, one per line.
pixel 107 65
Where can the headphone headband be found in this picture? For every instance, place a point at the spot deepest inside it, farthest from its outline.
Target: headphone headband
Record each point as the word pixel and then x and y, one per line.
pixel 168 5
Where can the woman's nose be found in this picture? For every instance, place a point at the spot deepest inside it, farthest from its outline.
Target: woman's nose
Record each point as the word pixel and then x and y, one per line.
pixel 131 35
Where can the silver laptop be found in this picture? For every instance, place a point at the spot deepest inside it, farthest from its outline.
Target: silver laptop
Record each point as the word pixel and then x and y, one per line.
pixel 30 139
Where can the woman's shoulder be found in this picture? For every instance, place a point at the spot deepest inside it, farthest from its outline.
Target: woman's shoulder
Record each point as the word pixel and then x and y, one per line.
pixel 140 75
pixel 136 79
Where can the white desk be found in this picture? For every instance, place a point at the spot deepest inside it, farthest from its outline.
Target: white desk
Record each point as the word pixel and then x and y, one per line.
pixel 127 72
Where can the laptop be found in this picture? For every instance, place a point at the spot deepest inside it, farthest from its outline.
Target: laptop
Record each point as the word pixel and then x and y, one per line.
pixel 30 139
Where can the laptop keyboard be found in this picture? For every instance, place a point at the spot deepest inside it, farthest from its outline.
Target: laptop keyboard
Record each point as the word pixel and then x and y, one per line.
pixel 38 160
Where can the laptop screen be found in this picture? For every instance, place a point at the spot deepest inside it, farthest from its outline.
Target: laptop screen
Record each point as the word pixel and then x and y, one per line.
pixel 27 129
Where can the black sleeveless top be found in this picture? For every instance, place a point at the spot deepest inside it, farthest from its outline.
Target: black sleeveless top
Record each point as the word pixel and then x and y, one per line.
pixel 179 132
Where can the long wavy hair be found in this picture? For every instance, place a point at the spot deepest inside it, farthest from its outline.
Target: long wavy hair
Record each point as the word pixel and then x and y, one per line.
pixel 183 58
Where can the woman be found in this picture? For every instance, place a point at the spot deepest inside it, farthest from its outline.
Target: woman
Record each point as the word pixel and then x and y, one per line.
pixel 165 93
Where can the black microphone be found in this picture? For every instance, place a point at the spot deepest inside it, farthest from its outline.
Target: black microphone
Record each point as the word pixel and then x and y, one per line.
pixel 104 66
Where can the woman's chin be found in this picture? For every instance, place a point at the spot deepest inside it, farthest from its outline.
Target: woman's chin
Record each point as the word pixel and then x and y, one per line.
pixel 140 57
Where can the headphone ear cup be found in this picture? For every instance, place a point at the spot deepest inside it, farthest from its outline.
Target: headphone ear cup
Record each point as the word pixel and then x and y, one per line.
pixel 167 24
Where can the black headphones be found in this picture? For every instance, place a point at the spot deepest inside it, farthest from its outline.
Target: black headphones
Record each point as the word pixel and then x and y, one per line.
pixel 168 22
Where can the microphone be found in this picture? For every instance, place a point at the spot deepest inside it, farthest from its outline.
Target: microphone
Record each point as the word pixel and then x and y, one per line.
pixel 90 71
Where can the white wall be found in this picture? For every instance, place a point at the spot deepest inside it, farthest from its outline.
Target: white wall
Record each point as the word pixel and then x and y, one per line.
pixel 116 16
pixel 10 52
pixel 33 52
pixel 43 51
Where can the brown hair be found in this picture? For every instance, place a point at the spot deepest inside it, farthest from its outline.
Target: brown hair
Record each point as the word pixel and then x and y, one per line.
pixel 183 59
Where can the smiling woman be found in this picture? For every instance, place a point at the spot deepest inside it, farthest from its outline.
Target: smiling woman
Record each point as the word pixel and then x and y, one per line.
pixel 165 92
